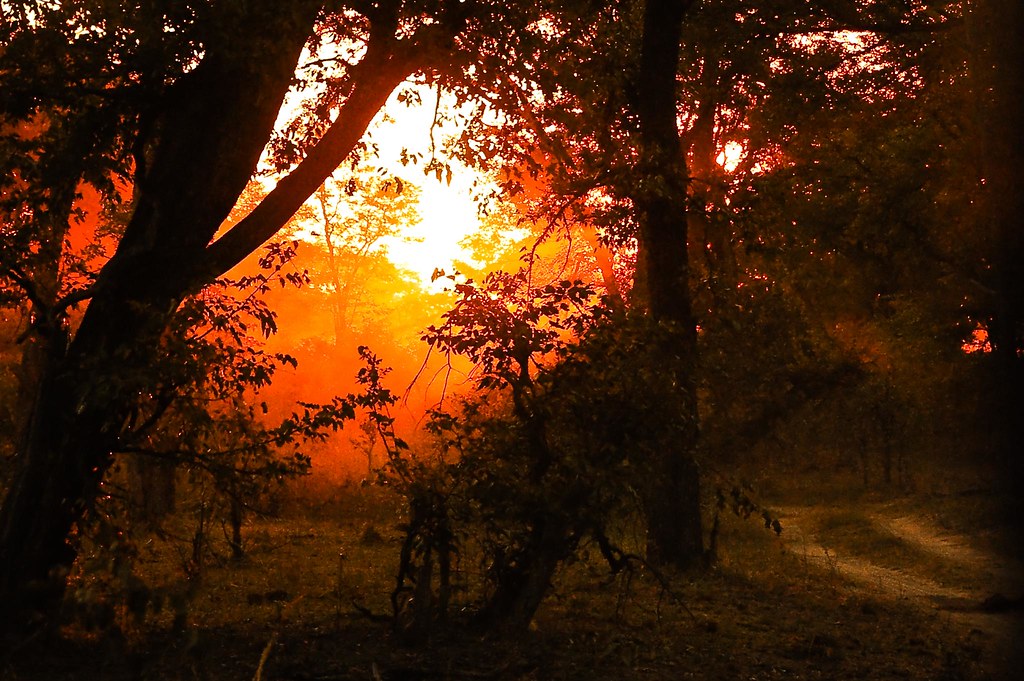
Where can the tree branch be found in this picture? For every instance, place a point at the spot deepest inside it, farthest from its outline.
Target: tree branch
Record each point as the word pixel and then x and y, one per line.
pixel 384 67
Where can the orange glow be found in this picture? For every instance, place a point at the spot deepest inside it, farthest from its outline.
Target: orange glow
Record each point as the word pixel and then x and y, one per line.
pixel 729 158
pixel 978 342
pixel 406 130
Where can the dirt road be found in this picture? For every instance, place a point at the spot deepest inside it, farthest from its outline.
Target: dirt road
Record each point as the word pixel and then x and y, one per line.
pixel 979 595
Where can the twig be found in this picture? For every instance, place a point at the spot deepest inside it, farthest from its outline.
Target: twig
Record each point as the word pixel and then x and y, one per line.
pixel 258 676
pixel 619 560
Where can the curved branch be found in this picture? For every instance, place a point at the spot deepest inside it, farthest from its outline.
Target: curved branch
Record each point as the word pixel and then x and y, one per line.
pixel 383 69
pixel 72 299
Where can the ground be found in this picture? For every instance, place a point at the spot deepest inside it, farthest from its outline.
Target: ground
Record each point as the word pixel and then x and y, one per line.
pixel 883 588
pixel 886 552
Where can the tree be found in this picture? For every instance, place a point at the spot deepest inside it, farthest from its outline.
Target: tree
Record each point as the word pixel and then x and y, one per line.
pixel 541 456
pixel 205 413
pixel 675 532
pixel 593 127
pixel 610 161
pixel 873 218
pixel 184 97
pixel 353 241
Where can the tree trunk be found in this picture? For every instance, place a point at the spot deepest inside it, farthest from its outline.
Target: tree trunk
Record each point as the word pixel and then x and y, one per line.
pixel 520 591
pixel 152 487
pixel 710 237
pixel 675 534
pixel 236 517
pixel 606 264
pixel 61 462
pixel 47 335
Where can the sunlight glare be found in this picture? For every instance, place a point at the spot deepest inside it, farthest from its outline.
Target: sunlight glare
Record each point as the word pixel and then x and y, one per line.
pixel 729 158
pixel 448 211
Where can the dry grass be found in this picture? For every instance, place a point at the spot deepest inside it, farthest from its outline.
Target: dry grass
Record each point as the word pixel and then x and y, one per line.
pixel 858 532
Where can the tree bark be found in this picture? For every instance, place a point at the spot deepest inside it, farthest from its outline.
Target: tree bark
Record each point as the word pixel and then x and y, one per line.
pixel 520 590
pixel 675 534
pixel 606 264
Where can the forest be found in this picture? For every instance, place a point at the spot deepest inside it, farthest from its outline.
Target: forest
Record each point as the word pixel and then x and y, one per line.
pixel 542 339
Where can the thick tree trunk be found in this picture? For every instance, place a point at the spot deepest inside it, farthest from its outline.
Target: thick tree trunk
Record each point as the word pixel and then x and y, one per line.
pixel 74 429
pixel 520 591
pixel 47 336
pixel 674 525
pixel 43 504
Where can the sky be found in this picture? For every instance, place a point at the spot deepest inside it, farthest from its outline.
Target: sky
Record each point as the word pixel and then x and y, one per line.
pixel 448 212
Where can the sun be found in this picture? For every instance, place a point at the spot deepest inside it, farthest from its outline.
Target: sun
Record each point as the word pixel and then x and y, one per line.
pixel 448 212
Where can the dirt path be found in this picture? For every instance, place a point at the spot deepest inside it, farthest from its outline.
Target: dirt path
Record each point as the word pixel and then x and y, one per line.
pixel 968 604
pixel 993 574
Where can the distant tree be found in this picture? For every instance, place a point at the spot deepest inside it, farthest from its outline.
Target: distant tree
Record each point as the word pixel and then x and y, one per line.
pixel 352 241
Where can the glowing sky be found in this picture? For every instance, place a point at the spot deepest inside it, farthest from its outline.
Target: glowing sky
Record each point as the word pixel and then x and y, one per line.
pixel 448 212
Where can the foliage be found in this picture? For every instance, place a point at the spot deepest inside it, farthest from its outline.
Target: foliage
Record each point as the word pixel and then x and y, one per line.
pixel 819 103
pixel 210 372
pixel 849 230
pixel 847 206
pixel 566 89
pixel 201 431
pixel 552 449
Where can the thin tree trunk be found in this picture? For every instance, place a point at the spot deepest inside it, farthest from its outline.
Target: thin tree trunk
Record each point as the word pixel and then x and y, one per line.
pixel 605 262
pixel 709 237
pixel 236 517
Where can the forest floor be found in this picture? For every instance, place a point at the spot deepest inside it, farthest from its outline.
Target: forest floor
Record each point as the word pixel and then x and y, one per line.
pixel 876 589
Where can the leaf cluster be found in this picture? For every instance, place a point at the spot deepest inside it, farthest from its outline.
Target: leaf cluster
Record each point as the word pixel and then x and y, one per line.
pixel 507 328
pixel 199 404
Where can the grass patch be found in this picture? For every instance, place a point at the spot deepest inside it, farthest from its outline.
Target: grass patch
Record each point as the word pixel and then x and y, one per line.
pixel 993 520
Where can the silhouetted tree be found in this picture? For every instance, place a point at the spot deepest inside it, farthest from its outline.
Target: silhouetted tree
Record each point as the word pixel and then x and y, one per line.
pixel 179 101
